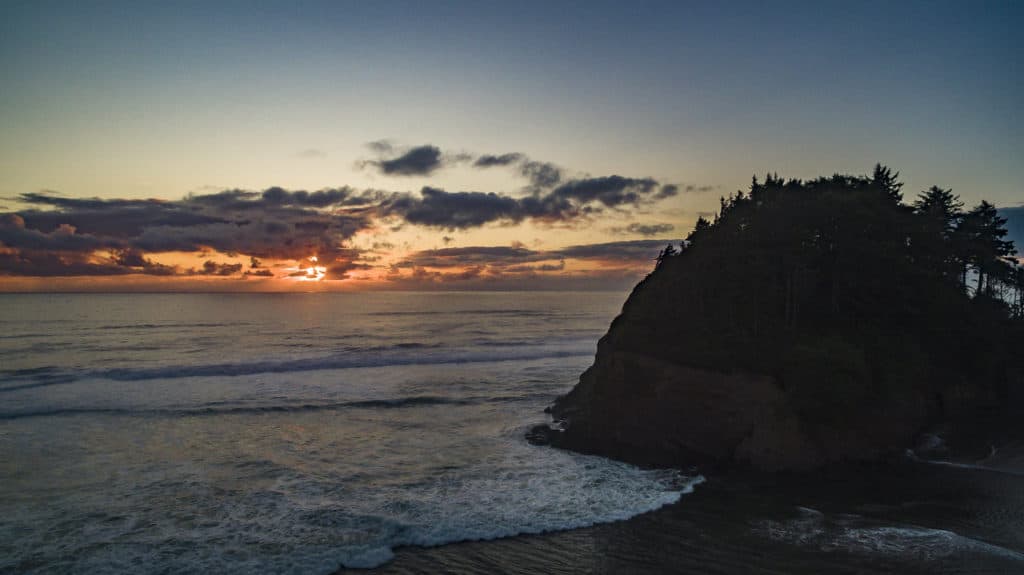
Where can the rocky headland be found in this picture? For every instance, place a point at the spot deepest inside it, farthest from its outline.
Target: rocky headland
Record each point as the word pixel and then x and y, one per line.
pixel 810 323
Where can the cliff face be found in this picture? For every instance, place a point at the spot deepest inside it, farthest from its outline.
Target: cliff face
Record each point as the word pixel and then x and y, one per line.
pixel 652 411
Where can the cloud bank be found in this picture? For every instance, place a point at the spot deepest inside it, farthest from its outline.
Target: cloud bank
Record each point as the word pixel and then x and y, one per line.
pixel 55 235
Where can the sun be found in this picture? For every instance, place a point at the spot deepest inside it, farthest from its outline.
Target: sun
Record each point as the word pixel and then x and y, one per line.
pixel 314 272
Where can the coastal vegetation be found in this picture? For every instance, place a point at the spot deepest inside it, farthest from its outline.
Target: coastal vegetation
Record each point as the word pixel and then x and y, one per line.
pixel 847 294
pixel 863 310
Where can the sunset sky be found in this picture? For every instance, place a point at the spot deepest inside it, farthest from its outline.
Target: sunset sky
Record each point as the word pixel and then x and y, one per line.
pixel 478 145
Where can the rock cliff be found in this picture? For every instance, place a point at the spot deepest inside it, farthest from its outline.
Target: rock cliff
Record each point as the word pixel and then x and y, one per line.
pixel 809 323
pixel 650 411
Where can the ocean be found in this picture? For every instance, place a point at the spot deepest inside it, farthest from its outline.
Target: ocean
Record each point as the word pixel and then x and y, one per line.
pixel 307 433
pixel 292 433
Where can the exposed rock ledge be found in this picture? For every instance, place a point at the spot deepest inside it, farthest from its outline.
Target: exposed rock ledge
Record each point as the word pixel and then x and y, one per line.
pixel 648 411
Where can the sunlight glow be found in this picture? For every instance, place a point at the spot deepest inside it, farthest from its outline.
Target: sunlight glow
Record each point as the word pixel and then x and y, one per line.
pixel 314 273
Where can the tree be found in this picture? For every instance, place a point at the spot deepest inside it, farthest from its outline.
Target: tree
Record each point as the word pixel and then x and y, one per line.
pixel 668 252
pixel 699 228
pixel 937 242
pixel 983 230
pixel 886 180
pixel 1017 304
pixel 942 206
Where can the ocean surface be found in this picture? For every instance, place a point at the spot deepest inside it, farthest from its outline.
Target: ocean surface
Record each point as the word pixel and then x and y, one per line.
pixel 304 433
pixel 292 433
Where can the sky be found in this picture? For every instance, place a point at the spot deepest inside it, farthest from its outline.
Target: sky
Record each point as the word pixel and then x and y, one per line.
pixel 464 145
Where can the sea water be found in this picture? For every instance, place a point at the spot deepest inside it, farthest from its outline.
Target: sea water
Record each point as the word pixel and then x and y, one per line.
pixel 292 433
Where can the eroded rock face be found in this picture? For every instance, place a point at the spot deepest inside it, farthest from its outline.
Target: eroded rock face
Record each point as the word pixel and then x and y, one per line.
pixel 649 411
pixel 653 412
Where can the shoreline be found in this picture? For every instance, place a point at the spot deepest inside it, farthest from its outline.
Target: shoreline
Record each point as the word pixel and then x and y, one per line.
pixel 897 517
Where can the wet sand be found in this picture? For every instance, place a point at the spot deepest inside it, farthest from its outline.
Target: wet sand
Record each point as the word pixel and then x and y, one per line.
pixel 904 517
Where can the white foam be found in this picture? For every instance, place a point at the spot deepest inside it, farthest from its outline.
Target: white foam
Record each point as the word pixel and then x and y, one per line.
pixel 300 525
pixel 855 534
pixel 980 466
pixel 579 492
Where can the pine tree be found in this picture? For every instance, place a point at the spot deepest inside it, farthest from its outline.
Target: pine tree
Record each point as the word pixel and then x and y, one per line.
pixel 886 180
pixel 983 231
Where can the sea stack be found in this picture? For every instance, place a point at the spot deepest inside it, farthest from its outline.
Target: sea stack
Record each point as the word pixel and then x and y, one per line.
pixel 809 323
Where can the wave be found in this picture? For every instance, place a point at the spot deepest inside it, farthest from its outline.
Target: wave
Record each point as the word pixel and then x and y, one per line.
pixel 26 335
pixel 515 312
pixel 321 363
pixel 124 326
pixel 290 532
pixel 606 496
pixel 220 408
pixel 37 376
pixel 383 356
pixel 149 326
pixel 210 410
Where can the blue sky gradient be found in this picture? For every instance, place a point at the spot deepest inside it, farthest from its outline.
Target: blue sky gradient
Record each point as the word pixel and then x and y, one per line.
pixel 159 100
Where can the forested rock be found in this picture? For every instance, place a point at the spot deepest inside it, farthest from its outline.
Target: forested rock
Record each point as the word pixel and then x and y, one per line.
pixel 810 322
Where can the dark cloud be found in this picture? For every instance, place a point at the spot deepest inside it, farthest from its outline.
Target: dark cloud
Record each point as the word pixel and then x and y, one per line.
pixel 116 219
pixel 551 267
pixel 455 210
pixel 619 279
pixel 344 196
pixel 339 270
pixel 542 175
pixel 611 191
pixel 262 273
pixel 473 255
pixel 418 161
pixel 637 250
pixel 92 236
pixel 58 201
pixel 644 229
pixel 698 189
pixel 536 268
pixel 570 201
pixel 667 191
pixel 424 277
pixel 488 161
pixel 13 233
pixel 614 265
pixel 50 264
pixel 212 268
pixel 130 258
pixel 514 259
pixel 415 161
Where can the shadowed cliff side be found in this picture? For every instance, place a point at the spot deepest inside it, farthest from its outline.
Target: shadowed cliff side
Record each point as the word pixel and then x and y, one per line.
pixel 810 322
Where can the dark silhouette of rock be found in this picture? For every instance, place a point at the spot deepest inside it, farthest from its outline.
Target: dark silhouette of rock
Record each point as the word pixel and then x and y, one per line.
pixel 810 323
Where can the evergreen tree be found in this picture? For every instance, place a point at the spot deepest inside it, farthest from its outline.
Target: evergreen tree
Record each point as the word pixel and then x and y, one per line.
pixel 983 230
pixel 887 181
pixel 937 241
